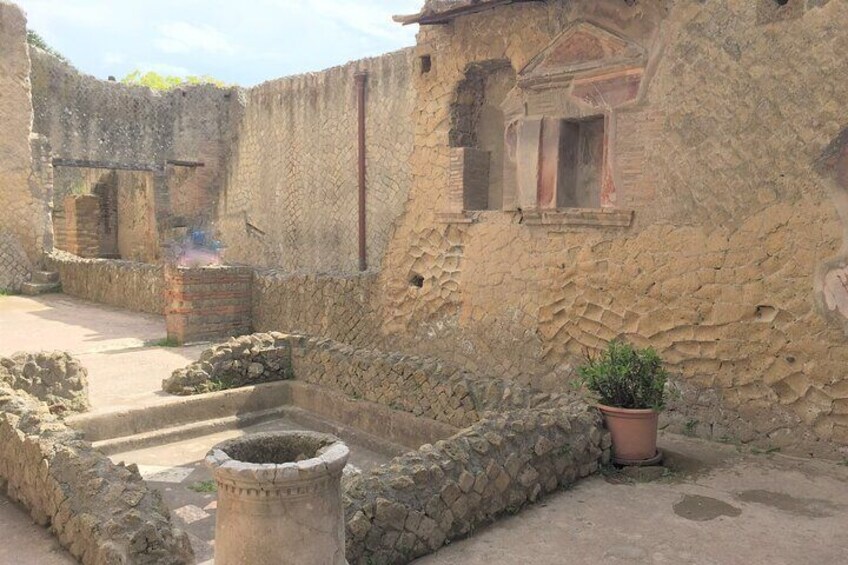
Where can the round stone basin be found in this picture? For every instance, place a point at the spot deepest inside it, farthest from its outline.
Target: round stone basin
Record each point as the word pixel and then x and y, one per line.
pixel 284 487
pixel 302 450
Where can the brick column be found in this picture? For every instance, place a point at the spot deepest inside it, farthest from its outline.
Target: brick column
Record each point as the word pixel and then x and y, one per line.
pixel 207 303
pixel 82 221
pixel 468 185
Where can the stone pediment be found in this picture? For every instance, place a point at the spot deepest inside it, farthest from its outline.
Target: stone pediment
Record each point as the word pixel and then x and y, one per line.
pixel 582 49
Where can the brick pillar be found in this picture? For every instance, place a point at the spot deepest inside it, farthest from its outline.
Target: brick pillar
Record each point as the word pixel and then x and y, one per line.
pixel 82 223
pixel 208 303
pixel 468 185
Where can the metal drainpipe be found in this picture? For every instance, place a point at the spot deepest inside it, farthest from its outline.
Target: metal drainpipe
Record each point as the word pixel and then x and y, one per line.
pixel 361 83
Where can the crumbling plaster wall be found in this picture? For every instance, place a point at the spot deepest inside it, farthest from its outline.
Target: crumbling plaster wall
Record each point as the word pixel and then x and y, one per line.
pixel 24 202
pixel 292 195
pixel 86 119
pixel 731 222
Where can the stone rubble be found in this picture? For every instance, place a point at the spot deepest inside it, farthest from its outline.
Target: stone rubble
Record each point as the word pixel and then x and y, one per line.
pixel 244 361
pixel 424 499
pixel 103 513
pixel 55 378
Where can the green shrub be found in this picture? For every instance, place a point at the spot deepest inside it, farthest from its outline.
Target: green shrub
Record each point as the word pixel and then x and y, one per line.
pixel 625 377
pixel 155 81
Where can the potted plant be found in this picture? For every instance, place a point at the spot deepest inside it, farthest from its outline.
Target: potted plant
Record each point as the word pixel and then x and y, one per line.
pixel 629 384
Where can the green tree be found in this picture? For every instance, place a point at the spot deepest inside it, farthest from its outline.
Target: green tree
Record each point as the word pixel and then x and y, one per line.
pixel 37 41
pixel 156 81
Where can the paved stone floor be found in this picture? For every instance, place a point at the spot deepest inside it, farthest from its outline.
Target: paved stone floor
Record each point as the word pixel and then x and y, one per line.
pixel 125 367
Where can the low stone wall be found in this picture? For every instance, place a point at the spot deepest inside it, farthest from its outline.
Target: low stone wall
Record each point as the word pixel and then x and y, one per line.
pixel 102 513
pixel 419 385
pixel 334 306
pixel 244 361
pixel 439 493
pixel 56 379
pixel 515 444
pixel 138 287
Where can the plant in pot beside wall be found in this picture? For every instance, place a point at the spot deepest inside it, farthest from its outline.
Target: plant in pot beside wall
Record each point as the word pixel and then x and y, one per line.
pixel 629 385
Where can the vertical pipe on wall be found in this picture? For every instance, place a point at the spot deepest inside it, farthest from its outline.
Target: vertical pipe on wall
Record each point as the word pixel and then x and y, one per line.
pixel 361 83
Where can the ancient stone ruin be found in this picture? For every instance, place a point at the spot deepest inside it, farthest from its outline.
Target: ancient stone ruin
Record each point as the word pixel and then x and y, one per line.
pixel 417 250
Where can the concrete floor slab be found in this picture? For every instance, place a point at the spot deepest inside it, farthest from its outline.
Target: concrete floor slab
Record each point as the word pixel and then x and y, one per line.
pixel 23 542
pixel 125 367
pixel 717 507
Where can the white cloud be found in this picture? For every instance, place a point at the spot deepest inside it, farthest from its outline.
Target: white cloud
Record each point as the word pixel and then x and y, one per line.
pixel 239 42
pixel 182 38
pixel 111 58
pixel 370 18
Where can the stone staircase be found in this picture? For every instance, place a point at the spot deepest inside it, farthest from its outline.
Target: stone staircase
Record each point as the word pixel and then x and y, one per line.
pixel 43 282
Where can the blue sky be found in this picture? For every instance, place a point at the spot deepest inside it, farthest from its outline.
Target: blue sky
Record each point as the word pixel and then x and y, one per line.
pixel 244 42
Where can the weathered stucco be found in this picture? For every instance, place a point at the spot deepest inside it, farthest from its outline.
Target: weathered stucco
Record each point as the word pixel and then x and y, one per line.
pixel 292 195
pixel 731 222
pixel 24 202
pixel 718 239
pixel 731 226
pixel 90 121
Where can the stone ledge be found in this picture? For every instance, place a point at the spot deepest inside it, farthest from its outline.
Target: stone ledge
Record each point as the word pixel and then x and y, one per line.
pixel 590 217
pixel 601 217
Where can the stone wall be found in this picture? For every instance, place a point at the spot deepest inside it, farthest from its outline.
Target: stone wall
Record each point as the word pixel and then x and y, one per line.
pixel 292 193
pixel 333 306
pixel 89 120
pixel 425 387
pixel 24 202
pixel 714 158
pixel 245 361
pixel 101 512
pixel 443 492
pixel 138 287
pixel 57 379
pixel 515 444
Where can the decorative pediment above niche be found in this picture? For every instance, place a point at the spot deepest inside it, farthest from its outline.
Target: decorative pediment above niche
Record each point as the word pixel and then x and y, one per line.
pixel 582 50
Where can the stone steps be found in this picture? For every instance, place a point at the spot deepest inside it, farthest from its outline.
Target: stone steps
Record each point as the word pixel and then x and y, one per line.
pixel 45 277
pixel 36 289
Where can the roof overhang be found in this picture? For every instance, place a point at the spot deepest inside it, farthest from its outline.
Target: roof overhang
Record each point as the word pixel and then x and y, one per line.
pixel 437 12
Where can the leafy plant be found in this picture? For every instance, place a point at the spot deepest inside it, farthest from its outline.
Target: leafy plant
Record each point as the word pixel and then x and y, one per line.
pixel 155 81
pixel 625 377
pixel 166 342
pixel 204 487
pixel 36 40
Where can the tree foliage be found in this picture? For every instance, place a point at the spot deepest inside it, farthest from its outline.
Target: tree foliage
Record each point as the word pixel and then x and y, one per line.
pixel 36 40
pixel 156 81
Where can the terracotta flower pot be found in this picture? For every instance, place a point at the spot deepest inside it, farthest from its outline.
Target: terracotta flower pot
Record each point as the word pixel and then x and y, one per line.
pixel 634 434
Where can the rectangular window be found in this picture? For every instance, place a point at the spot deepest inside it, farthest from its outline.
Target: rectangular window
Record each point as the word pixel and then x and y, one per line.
pixel 581 162
pixel 570 163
